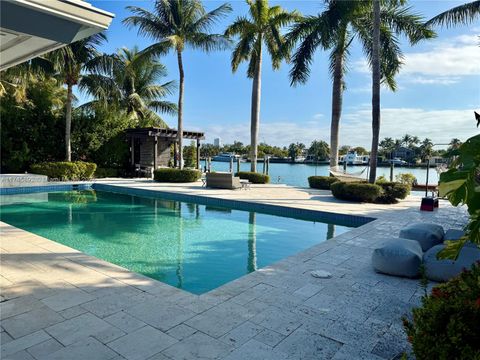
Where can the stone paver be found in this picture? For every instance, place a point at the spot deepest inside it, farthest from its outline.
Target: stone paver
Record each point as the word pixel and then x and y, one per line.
pixel 29 322
pixel 142 343
pixel 23 343
pixel 58 303
pixel 125 322
pixel 198 346
pixel 181 331
pixel 160 315
pixel 255 350
pixel 45 348
pixel 68 299
pixel 242 334
pixel 305 345
pixel 88 348
pixel 75 329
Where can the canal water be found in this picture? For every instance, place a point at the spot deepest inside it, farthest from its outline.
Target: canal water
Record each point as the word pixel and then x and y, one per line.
pixel 297 174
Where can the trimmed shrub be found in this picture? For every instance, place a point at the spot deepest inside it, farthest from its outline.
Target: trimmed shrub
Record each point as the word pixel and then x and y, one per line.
pixel 406 178
pixel 106 172
pixel 392 191
pixel 64 170
pixel 253 177
pixel 356 191
pixel 321 182
pixel 176 175
pixel 446 326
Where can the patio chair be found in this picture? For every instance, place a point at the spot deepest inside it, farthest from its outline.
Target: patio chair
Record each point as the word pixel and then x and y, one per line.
pixel 223 180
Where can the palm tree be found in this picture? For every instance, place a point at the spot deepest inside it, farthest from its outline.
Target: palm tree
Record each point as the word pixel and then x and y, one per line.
pixel 376 77
pixel 455 143
pixel 175 24
pixel 335 29
pixel 68 63
pixel 261 29
pixel 426 148
pixel 127 81
pixel 459 15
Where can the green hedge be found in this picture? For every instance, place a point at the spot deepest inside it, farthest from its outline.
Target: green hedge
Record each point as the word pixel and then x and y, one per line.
pixel 321 182
pixel 253 177
pixel 446 326
pixel 106 172
pixel 176 175
pixel 392 191
pixel 64 170
pixel 356 191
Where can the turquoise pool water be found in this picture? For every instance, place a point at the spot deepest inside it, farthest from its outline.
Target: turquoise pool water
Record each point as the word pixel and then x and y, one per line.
pixel 190 246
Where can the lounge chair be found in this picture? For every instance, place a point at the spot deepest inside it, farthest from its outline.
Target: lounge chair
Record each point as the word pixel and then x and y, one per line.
pixel 223 180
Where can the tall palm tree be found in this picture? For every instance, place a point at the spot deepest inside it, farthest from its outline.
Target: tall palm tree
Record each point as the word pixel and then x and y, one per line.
pixel 68 63
pixel 261 29
pixel 376 77
pixel 459 15
pixel 335 29
pixel 176 24
pixel 127 81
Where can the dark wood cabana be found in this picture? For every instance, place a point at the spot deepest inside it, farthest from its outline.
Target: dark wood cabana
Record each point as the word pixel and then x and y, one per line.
pixel 150 147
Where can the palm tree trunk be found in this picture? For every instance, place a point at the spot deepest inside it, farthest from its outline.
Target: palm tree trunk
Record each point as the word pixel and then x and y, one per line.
pixel 337 98
pixel 375 91
pixel 180 110
pixel 68 123
pixel 255 115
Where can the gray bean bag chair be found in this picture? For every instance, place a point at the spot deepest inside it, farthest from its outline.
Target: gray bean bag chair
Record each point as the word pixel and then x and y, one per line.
pixel 427 235
pixel 399 257
pixel 456 234
pixel 453 234
pixel 444 270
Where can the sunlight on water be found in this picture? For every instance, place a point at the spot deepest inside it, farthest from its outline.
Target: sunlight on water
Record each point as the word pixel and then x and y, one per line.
pixel 190 246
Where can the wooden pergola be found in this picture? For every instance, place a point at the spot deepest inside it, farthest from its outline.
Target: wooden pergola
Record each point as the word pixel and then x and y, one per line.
pixel 150 147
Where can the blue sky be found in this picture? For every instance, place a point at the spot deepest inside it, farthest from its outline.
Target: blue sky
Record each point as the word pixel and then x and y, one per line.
pixel 439 86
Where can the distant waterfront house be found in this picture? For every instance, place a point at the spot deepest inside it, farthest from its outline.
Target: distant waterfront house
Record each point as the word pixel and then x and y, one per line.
pixel 150 148
pixel 403 153
pixel 438 160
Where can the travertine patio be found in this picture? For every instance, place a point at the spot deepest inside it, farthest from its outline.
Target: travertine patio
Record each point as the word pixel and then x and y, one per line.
pixel 58 303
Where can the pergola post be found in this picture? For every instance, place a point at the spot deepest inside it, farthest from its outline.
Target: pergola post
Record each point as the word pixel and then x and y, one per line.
pixel 175 154
pixel 155 152
pixel 198 154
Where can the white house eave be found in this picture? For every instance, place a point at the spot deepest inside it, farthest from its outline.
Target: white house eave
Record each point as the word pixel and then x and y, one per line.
pixel 30 28
pixel 77 11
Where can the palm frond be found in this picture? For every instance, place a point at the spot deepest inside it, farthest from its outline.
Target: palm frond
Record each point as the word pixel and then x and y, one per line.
pixel 205 22
pixel 459 15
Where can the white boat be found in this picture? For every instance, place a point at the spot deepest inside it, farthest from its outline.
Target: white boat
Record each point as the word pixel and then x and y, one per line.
pixel 352 158
pixel 397 161
pixel 226 157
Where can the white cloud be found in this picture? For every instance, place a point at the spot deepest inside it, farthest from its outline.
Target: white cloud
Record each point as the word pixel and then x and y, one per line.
pixel 444 63
pixel 355 128
pixel 440 80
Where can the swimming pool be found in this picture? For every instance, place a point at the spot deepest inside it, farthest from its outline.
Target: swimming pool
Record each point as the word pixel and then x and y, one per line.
pixel 195 247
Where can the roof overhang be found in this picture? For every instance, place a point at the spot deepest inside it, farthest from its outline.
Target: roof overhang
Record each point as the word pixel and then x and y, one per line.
pixel 29 28
pixel 163 133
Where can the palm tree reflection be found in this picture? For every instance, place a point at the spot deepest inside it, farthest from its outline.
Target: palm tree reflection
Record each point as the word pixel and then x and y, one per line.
pixel 330 231
pixel 252 239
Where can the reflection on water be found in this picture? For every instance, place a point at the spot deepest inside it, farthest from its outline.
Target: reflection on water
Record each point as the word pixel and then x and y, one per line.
pixel 330 231
pixel 252 246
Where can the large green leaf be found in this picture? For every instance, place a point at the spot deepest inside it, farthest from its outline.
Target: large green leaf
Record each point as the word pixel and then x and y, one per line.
pixel 461 186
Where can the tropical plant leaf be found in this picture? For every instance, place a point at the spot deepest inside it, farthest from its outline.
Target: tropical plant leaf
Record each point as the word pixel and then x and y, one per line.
pixel 452 249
